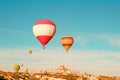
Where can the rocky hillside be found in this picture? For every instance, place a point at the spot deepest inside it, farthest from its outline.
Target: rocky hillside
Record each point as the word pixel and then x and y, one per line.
pixel 61 73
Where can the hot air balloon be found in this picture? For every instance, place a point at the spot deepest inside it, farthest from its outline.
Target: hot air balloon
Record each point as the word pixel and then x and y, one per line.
pixel 67 42
pixel 29 51
pixel 16 68
pixel 25 70
pixel 44 31
pixel 21 65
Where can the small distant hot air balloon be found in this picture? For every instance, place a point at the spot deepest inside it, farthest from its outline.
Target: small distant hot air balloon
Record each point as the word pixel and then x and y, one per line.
pixel 29 51
pixel 16 68
pixel 25 70
pixel 21 65
pixel 44 31
pixel 67 42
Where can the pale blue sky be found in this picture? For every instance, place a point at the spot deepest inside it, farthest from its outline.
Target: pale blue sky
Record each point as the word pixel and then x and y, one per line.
pixel 94 24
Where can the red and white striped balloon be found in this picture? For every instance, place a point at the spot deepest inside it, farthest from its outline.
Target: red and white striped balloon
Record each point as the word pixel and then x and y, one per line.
pixel 44 30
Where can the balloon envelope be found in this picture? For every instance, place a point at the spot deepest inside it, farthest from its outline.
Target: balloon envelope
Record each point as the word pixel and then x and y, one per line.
pixel 29 51
pixel 44 30
pixel 67 42
pixel 21 65
pixel 25 70
pixel 16 68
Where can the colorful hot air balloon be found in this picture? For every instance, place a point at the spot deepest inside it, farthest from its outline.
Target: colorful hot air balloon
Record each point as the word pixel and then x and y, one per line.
pixel 44 30
pixel 67 42
pixel 16 68
pixel 29 51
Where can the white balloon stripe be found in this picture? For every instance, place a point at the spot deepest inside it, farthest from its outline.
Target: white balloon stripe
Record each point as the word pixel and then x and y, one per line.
pixel 43 29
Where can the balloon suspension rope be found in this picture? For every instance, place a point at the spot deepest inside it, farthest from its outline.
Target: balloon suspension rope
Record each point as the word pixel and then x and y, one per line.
pixel 43 46
pixel 66 50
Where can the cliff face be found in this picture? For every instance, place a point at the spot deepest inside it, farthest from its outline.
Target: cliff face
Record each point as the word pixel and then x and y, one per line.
pixel 61 73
